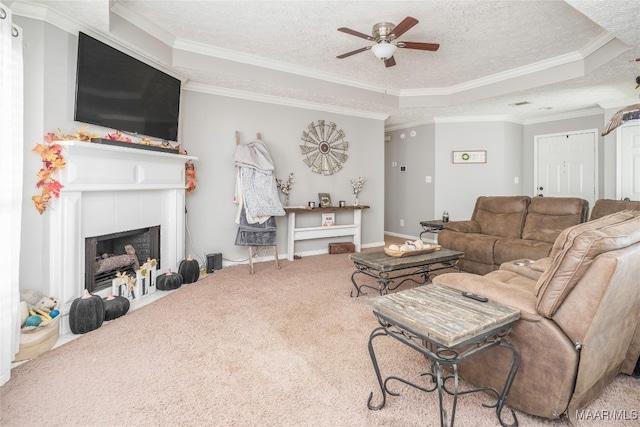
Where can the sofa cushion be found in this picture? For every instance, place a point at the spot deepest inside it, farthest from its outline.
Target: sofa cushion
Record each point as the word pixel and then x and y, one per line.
pixel 462 226
pixel 604 207
pixel 476 247
pixel 542 264
pixel 575 250
pixel 501 216
pixel 510 249
pixel 549 216
pixel 523 267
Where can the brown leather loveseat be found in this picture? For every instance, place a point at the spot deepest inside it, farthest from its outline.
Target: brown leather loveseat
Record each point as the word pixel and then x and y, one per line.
pixel 504 228
pixel 580 315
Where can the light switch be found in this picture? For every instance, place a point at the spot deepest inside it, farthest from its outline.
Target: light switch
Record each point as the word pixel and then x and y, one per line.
pixel 427 179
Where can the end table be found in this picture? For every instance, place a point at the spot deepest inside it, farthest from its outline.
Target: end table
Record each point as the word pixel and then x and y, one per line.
pixel 447 328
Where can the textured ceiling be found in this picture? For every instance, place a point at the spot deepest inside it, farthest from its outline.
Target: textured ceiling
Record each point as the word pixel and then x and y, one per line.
pixel 567 55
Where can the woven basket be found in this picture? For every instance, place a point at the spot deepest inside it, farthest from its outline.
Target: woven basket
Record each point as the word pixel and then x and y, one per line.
pixel 34 342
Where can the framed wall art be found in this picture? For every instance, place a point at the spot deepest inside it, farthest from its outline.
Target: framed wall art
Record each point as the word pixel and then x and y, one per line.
pixel 472 156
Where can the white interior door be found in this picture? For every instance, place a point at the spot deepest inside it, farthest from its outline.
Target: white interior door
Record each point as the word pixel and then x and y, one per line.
pixel 566 165
pixel 629 162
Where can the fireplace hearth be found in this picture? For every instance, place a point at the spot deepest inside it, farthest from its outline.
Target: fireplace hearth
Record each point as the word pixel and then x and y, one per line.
pixel 124 252
pixel 108 190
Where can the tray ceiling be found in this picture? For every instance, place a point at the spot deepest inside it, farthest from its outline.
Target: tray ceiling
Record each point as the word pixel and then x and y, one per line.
pixel 562 57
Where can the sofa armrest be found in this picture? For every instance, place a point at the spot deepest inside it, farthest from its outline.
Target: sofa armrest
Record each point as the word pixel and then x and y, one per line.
pixel 509 294
pixel 463 226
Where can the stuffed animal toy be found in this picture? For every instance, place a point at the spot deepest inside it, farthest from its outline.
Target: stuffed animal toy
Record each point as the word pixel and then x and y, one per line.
pixel 33 302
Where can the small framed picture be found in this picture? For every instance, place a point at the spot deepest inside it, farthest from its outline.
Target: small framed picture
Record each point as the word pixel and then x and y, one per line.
pixel 325 200
pixel 477 156
pixel 328 219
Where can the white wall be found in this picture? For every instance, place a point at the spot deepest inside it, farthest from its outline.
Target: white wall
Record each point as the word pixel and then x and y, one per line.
pixel 510 154
pixel 209 125
pixel 408 196
pixel 208 130
pixel 459 185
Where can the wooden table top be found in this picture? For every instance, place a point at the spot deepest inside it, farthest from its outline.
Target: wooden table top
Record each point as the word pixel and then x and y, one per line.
pixel 303 209
pixel 442 314
pixel 380 261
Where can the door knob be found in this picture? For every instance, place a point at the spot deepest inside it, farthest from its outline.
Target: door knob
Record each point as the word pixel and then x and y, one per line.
pixel 540 188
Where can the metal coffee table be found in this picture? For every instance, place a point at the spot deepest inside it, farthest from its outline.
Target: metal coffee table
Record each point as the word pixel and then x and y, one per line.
pixel 390 272
pixel 447 328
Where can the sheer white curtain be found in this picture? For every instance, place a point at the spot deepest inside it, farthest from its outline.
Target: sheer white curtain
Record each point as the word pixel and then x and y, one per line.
pixel 11 156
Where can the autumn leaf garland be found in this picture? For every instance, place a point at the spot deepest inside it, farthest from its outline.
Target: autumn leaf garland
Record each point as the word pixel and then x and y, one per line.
pixel 52 161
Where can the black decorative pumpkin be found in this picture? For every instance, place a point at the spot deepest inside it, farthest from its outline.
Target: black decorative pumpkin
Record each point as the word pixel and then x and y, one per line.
pixel 168 281
pixel 189 269
pixel 86 313
pixel 115 307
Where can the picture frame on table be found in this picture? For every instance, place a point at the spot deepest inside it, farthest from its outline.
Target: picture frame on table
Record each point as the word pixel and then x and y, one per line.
pixel 328 219
pixel 324 200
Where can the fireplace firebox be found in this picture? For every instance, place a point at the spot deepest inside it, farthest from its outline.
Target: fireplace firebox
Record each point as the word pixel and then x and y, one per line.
pixel 124 252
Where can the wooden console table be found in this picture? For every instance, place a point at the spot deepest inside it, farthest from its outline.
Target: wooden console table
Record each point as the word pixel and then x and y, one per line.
pixel 306 233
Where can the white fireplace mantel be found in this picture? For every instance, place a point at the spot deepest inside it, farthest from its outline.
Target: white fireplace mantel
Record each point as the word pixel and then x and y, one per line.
pixel 108 189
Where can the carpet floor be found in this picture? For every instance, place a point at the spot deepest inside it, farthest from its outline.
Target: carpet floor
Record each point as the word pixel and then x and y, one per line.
pixel 283 347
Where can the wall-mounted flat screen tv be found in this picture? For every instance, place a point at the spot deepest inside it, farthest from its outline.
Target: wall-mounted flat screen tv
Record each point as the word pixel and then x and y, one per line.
pixel 117 91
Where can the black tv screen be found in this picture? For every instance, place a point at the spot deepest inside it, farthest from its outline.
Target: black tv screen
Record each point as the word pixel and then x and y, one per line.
pixel 117 91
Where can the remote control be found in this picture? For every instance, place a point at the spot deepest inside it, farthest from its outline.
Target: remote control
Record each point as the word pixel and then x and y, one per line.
pixel 474 296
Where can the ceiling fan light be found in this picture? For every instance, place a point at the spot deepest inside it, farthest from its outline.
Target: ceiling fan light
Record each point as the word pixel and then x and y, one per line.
pixel 384 50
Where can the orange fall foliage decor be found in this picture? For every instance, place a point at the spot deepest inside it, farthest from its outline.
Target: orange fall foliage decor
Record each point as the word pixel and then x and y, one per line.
pixel 190 172
pixel 52 161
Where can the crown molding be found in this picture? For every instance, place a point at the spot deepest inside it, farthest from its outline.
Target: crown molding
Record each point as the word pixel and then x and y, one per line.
pixel 120 9
pixel 564 116
pixel 287 102
pixel 43 13
pixel 408 125
pixel 580 55
pixel 472 119
pixel 453 119
pixel 243 58
pixel 618 103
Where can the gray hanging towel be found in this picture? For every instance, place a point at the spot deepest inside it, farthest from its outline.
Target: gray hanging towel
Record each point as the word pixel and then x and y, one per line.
pixel 256 234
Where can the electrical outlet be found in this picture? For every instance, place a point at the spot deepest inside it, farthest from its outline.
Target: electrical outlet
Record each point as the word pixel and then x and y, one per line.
pixel 402 223
pixel 427 179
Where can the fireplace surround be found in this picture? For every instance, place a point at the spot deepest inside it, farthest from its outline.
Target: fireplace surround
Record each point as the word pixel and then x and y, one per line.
pixel 109 190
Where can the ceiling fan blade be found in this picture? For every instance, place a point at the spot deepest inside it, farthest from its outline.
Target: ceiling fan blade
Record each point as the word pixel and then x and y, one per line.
pixel 403 27
pixel 353 52
pixel 355 33
pixel 419 45
pixel 390 62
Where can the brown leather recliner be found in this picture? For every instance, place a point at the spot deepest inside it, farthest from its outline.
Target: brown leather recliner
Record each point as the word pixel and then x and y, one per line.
pixel 504 228
pixel 580 311
pixel 604 207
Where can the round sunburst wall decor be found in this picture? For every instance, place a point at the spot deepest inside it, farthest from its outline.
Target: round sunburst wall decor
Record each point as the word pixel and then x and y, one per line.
pixel 324 149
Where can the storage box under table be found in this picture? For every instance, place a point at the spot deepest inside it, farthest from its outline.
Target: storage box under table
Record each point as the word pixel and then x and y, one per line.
pixel 342 248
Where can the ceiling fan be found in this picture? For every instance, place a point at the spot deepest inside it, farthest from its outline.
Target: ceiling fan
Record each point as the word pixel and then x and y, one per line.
pixel 385 34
